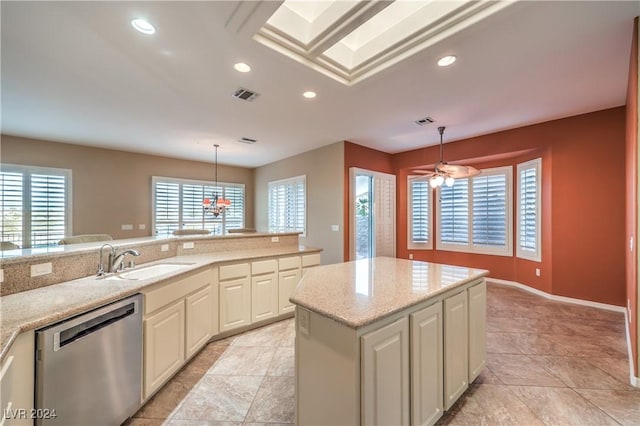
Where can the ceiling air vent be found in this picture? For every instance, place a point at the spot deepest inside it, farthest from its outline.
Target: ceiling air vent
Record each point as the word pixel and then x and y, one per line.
pixel 247 140
pixel 245 94
pixel 424 121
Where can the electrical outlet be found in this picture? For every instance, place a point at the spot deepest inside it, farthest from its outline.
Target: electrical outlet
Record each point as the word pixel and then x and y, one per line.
pixel 164 247
pixel 537 272
pixel 275 239
pixel 1 275
pixel 410 256
pixel 127 227
pixel 41 269
pixel 188 245
pixel 335 228
pixel 142 227
pixel 303 321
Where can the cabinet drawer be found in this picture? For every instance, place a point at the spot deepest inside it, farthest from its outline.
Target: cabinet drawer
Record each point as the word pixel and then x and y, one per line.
pixel 169 292
pixel 264 267
pixel 310 260
pixel 239 270
pixel 289 263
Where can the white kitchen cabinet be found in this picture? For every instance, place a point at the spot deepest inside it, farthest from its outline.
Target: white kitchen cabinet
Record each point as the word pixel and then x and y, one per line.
pixel 264 297
pixel 426 365
pixel 288 278
pixel 17 381
pixel 235 303
pixel 477 329
pixel 456 344
pixel 309 261
pixel 385 375
pixel 199 320
pixel 164 345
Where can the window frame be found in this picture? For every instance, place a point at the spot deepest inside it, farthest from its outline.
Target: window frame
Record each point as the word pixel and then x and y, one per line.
pixel 27 171
pixel 279 182
pixel 521 253
pixel 470 247
pixel 183 181
pixel 412 245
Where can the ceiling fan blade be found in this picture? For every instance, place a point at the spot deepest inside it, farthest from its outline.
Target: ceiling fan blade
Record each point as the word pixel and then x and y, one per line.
pixel 457 171
pixel 423 172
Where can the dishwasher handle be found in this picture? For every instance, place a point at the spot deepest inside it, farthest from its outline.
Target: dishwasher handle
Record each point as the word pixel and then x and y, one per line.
pixel 92 325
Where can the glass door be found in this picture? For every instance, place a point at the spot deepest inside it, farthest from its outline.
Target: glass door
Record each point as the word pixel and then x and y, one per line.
pixel 362 201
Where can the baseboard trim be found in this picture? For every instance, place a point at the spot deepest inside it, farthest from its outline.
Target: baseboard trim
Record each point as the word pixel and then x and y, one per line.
pixel 634 381
pixel 556 298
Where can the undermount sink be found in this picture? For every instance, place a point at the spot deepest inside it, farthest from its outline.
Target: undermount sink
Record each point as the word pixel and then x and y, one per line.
pixel 150 271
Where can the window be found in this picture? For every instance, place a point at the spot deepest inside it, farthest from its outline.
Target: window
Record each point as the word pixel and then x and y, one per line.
pixel 419 210
pixel 177 204
pixel 475 214
pixel 528 207
pixel 35 205
pixel 287 205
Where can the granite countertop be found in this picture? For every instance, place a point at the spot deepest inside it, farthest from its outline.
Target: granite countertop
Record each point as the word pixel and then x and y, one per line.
pixel 360 292
pixel 36 308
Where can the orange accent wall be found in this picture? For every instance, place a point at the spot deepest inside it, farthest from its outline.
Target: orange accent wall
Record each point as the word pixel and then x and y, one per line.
pixel 583 203
pixel 364 158
pixel 631 218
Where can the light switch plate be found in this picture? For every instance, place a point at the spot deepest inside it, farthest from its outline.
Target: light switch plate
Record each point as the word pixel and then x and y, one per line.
pixel 41 269
pixel 335 228
pixel 127 227
pixel 142 227
pixel 275 239
pixel 164 247
pixel 1 275
pixel 188 245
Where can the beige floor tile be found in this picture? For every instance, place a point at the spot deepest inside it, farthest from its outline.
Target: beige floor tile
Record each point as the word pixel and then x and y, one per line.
pixel 136 421
pixel 615 367
pixel 275 401
pixel 165 401
pixel 244 361
pixel 283 362
pixel 268 336
pixel 487 377
pixel 502 343
pixel 514 369
pixel 576 372
pixel 561 406
pixel 623 406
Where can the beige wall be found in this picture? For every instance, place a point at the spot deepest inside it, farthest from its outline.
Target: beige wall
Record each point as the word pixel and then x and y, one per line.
pixel 112 188
pixel 324 168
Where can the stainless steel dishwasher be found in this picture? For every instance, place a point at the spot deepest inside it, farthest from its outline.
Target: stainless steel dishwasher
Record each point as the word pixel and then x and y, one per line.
pixel 89 367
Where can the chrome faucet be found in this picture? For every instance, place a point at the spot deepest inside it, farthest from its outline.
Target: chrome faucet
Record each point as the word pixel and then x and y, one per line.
pixel 101 270
pixel 115 259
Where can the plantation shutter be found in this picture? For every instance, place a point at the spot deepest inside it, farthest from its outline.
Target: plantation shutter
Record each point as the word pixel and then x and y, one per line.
pixel 48 209
pixel 490 210
pixel 454 213
pixel 235 214
pixel 287 205
pixel 529 210
pixel 419 221
pixel 11 207
pixel 167 207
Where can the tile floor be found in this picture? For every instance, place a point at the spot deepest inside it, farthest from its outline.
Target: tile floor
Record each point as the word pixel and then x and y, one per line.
pixel 548 363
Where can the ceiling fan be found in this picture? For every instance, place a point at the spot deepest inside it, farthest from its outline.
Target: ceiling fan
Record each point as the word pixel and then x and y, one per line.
pixel 446 173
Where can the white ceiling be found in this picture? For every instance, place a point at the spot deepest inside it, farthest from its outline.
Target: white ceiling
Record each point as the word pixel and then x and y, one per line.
pixel 77 72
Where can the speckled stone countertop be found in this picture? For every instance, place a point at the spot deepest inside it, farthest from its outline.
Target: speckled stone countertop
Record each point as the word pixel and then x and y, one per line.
pixel 36 308
pixel 360 292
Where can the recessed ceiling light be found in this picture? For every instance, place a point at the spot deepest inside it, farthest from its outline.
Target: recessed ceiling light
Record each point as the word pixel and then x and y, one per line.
pixel 143 26
pixel 309 94
pixel 242 67
pixel 445 61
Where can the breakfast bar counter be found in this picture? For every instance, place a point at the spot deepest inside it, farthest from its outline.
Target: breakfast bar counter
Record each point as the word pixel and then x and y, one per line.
pixel 386 340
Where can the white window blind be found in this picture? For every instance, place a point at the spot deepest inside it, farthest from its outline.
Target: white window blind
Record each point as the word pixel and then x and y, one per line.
pixel 528 229
pixel 35 205
pixel 287 205
pixel 475 214
pixel 178 205
pixel 419 211
pixel 454 213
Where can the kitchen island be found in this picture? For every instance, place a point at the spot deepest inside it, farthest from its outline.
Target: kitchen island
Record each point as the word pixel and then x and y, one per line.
pixel 386 341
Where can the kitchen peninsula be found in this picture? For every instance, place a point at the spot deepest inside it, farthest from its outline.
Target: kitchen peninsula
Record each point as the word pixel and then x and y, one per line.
pixel 386 341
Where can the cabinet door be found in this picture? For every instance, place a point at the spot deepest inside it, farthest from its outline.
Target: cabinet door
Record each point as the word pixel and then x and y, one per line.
pixel 199 319
pixel 477 329
pixel 385 375
pixel 287 282
pixel 235 303
pixel 264 297
pixel 456 362
pixel 426 365
pixel 164 350
pixel 17 381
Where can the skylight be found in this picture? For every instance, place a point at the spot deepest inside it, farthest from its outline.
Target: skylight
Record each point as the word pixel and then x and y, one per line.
pixel 352 40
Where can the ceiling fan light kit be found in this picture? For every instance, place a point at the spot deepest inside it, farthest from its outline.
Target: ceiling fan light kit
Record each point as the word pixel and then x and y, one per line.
pixel 445 173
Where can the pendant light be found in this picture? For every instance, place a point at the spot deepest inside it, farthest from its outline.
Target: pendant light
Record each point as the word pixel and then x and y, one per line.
pixel 445 173
pixel 219 204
